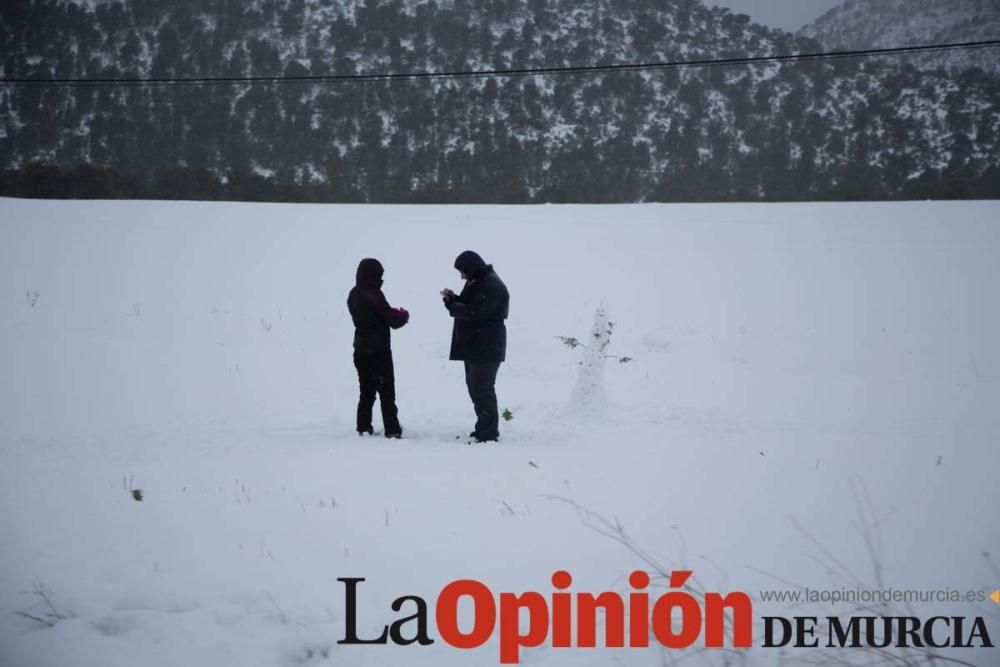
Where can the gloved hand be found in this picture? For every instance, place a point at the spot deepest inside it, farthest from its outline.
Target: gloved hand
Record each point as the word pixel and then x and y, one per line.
pixel 404 313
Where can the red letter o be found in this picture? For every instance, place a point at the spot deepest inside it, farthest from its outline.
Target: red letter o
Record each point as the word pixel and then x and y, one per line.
pixel 446 613
pixel 690 620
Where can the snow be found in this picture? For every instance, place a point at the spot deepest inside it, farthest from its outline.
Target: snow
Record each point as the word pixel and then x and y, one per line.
pixel 785 358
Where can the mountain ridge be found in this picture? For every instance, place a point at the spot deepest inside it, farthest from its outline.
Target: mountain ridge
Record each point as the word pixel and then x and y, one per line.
pixel 840 129
pixel 869 24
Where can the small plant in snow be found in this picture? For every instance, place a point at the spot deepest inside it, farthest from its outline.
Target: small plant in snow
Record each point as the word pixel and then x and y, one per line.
pixel 43 611
pixel 507 415
pixel 135 493
pixel 31 297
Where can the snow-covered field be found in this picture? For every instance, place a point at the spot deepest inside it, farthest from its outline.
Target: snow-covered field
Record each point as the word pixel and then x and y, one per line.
pixel 800 372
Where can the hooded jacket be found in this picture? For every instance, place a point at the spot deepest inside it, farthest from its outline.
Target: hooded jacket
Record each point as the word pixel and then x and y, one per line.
pixel 479 333
pixel 371 313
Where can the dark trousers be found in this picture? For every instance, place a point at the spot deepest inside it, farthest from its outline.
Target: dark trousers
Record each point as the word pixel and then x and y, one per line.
pixel 375 376
pixel 481 380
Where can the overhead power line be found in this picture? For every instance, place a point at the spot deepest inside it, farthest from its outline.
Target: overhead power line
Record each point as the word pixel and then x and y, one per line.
pixel 528 71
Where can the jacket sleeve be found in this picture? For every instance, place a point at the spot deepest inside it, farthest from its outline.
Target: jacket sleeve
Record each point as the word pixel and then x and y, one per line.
pixel 391 316
pixel 481 307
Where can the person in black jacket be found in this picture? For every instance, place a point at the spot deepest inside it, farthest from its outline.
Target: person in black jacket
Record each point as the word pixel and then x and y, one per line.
pixel 373 317
pixel 479 337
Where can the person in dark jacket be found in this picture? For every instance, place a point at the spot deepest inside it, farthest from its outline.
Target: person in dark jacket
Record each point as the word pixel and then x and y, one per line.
pixel 479 337
pixel 373 317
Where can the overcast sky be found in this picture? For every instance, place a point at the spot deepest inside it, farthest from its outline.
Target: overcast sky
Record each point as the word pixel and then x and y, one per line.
pixel 788 14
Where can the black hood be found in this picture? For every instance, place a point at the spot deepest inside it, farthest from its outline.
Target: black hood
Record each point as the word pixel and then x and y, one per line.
pixel 369 273
pixel 470 263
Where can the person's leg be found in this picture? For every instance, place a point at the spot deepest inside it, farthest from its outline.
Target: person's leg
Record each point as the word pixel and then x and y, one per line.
pixel 385 381
pixel 472 394
pixel 481 378
pixel 367 389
